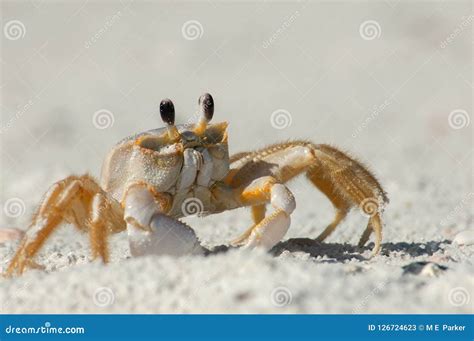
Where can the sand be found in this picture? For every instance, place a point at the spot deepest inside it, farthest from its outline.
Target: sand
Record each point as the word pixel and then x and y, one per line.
pixel 400 101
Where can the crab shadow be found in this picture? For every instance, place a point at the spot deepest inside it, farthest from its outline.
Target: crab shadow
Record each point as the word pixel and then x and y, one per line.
pixel 337 252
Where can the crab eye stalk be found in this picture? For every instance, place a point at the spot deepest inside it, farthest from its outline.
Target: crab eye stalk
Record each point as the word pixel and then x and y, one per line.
pixel 167 111
pixel 167 115
pixel 206 103
pixel 206 111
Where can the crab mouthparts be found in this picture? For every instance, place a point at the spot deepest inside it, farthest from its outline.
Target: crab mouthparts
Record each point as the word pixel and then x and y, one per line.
pixel 189 139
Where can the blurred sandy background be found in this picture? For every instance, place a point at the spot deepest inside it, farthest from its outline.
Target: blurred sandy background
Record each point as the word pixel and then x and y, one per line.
pixel 389 81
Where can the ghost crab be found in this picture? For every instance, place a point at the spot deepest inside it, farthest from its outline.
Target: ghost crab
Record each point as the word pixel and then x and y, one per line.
pixel 151 179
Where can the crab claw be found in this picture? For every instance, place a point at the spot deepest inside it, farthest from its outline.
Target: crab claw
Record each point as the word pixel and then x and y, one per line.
pixel 152 232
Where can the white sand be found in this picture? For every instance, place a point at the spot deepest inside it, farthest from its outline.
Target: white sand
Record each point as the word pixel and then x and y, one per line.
pixel 324 74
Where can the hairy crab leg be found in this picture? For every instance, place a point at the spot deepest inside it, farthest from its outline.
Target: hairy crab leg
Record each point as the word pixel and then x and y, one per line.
pixel 327 187
pixel 345 181
pixel 68 200
pixel 150 230
pixel 374 225
pixel 356 186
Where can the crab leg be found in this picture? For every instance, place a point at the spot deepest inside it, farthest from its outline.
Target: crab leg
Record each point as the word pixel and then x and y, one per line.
pixel 98 228
pixel 326 186
pixel 354 185
pixel 272 228
pixel 150 230
pixel 344 181
pixel 258 213
pixel 77 200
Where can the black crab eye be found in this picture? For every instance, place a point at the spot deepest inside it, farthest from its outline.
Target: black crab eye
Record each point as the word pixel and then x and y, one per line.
pixel 207 105
pixel 167 111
